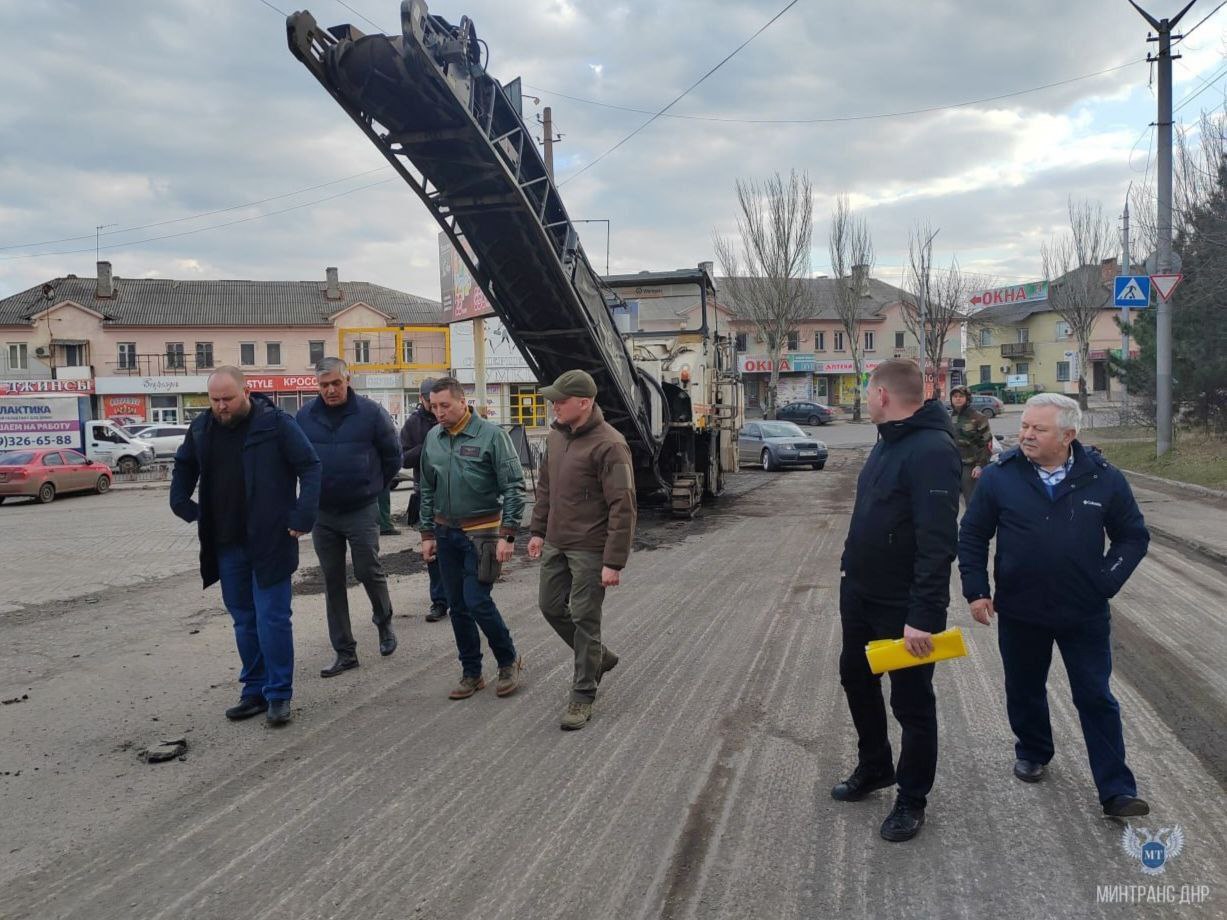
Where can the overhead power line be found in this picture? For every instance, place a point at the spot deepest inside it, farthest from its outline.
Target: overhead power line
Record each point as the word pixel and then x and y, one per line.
pixel 230 223
pixel 683 94
pixel 1203 19
pixel 828 119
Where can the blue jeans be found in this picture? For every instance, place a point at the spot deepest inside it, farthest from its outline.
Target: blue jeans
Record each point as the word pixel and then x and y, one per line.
pixel 437 594
pixel 1026 653
pixel 262 627
pixel 471 603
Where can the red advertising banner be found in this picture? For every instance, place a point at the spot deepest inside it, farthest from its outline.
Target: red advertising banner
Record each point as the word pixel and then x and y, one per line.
pixel 124 407
pixel 46 387
pixel 280 383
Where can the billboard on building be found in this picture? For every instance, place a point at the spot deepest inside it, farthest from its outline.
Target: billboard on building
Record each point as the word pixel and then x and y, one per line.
pixel 1014 293
pixel 40 421
pixel 461 296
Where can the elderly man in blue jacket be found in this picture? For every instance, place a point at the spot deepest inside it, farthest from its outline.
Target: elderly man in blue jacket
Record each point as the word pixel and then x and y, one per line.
pixel 1050 502
pixel 259 488
pixel 356 441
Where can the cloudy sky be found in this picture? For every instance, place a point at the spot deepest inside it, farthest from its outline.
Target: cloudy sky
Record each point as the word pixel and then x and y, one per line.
pixel 208 151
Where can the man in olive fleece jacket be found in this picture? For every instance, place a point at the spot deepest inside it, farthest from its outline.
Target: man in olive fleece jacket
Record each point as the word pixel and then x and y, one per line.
pixel 582 528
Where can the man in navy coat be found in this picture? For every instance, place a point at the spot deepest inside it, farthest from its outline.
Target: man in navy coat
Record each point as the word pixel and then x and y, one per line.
pixel 1050 501
pixel 360 456
pixel 259 491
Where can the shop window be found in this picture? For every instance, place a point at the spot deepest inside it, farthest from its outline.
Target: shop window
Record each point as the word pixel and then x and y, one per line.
pixel 174 356
pixel 247 354
pixel 272 354
pixel 527 406
pixel 164 410
pixel 288 402
pixel 204 355
pixel 315 353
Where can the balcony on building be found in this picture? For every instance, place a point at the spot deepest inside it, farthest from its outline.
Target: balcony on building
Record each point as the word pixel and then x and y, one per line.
pixel 1018 350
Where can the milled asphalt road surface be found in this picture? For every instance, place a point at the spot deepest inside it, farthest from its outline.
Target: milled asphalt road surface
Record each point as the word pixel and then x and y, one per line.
pixel 699 790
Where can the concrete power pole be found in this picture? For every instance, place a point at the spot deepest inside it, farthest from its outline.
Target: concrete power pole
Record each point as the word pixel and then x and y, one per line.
pixel 547 125
pixel 1125 313
pixel 1163 319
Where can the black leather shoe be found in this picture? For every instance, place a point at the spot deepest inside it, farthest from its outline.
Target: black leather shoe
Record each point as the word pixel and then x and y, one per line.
pixel 862 782
pixel 278 712
pixel 437 612
pixel 903 822
pixel 1029 771
pixel 248 706
pixel 338 666
pixel 1125 806
pixel 387 641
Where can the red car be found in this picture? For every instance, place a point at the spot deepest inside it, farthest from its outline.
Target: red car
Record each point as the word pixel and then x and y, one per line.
pixel 43 473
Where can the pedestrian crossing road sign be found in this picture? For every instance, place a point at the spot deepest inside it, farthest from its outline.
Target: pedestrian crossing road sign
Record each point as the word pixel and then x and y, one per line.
pixel 1132 291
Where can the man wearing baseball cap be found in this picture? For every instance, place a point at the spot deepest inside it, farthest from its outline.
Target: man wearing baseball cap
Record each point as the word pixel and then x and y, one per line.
pixel 582 527
pixel 412 437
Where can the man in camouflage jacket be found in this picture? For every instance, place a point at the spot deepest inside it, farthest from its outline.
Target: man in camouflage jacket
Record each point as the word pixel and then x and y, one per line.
pixel 974 438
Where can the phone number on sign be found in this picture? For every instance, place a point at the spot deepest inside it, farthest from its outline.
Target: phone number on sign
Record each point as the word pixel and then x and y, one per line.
pixel 37 440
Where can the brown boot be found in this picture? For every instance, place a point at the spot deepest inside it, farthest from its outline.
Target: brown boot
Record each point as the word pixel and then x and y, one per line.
pixel 467 687
pixel 509 678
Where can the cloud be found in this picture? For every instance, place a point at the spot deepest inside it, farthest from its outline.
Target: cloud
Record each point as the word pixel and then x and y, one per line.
pixel 138 114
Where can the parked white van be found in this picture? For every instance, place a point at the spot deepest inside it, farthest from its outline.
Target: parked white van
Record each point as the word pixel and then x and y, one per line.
pixel 107 443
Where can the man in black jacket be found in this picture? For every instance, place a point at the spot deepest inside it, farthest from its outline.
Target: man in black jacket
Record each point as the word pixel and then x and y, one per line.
pixel 356 442
pixel 412 437
pixel 896 582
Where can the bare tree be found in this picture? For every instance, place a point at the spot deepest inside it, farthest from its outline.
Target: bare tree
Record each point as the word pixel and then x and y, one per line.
pixel 1072 268
pixel 767 273
pixel 944 294
pixel 851 251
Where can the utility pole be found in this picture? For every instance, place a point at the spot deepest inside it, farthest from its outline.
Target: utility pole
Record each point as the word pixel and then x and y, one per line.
pixel 98 240
pixel 1163 319
pixel 1124 311
pixel 547 125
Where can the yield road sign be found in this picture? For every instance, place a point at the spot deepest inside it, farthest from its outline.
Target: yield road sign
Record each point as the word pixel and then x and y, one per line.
pixel 1132 291
pixel 1165 284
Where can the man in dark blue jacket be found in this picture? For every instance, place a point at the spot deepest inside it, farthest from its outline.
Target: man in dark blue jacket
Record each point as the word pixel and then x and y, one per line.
pixel 896 583
pixel 250 460
pixel 1049 502
pixel 356 441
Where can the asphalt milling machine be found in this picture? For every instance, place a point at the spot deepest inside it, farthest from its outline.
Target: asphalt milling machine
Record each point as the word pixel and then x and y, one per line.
pixel 457 136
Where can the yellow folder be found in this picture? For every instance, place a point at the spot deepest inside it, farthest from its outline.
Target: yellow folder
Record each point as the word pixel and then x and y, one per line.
pixel 890 655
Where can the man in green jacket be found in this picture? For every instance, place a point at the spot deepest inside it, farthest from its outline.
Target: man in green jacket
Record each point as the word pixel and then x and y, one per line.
pixel 974 438
pixel 472 488
pixel 583 526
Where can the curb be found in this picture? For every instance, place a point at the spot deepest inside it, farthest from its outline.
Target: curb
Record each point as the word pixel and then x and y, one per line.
pixel 1177 484
pixel 1208 553
pixel 139 486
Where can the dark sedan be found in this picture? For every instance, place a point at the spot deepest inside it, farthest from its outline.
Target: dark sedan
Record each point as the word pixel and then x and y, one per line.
pixel 779 444
pixel 804 412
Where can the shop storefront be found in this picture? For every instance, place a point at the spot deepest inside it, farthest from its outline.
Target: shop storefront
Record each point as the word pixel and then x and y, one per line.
pixel 795 381
pixel 178 399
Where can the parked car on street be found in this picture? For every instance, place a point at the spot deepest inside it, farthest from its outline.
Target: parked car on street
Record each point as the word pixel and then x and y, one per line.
pixel 43 474
pixel 986 404
pixel 164 438
pixel 804 412
pixel 107 443
pixel 777 444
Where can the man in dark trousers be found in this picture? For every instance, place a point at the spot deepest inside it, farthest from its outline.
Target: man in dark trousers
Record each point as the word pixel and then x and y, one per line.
pixel 356 442
pixel 583 526
pixel 259 488
pixel 412 438
pixel 974 438
pixel 472 504
pixel 1050 502
pixel 896 583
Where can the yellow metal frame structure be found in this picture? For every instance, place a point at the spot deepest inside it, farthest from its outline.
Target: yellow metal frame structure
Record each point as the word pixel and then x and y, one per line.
pixel 398 334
